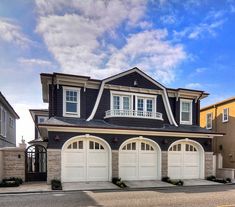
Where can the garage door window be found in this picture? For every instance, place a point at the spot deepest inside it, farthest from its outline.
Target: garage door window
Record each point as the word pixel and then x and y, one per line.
pixel 76 145
pixel 95 146
pixel 130 146
pixel 146 147
pixel 190 148
pixel 176 147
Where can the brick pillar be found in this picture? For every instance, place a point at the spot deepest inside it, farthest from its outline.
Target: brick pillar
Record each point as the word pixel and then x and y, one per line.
pixel 115 163
pixel 164 163
pixel 53 164
pixel 208 163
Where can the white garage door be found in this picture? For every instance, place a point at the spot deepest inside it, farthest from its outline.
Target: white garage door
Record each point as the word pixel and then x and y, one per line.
pixel 138 161
pixel 85 160
pixel 184 161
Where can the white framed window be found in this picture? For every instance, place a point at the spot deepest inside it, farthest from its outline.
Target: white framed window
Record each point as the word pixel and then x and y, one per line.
pixel 41 119
pixel 3 122
pixel 225 115
pixel 121 101
pixel 11 122
pixel 209 119
pixel 145 104
pixel 71 101
pixel 186 111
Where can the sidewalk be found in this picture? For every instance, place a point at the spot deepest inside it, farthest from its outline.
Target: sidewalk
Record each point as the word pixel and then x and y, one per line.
pixel 43 187
pixel 27 188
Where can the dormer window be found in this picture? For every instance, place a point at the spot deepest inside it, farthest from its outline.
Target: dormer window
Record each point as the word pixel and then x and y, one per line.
pixel 71 103
pixel 123 104
pixel 186 111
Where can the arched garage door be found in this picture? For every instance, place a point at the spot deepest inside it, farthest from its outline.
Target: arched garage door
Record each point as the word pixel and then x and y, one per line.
pixel 185 160
pixel 139 159
pixel 85 159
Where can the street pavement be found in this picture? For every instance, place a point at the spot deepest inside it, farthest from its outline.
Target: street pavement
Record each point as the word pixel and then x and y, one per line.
pixel 201 196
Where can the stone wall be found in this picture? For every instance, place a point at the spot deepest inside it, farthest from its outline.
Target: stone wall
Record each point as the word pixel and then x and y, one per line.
pixel 164 163
pixel 13 162
pixel 115 163
pixel 53 164
pixel 208 164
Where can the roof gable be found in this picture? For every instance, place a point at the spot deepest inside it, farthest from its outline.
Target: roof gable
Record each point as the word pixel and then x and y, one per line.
pixel 132 76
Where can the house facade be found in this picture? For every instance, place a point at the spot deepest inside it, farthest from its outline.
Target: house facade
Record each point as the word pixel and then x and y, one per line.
pixel 220 117
pixel 127 126
pixel 8 118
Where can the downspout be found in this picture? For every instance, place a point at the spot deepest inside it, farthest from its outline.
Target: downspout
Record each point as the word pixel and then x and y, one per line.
pixel 52 97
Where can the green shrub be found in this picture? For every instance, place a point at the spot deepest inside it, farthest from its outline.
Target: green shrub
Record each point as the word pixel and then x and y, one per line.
pixel 56 184
pixel 117 181
pixel 16 179
pixel 173 182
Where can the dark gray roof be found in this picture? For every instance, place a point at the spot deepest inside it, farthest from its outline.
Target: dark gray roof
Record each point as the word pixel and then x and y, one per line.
pixel 4 101
pixel 75 122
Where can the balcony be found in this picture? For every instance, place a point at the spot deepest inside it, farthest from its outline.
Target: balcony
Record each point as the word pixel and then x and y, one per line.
pixel 133 114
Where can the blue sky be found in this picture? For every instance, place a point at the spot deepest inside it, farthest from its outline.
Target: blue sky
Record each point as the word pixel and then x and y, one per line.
pixel 189 44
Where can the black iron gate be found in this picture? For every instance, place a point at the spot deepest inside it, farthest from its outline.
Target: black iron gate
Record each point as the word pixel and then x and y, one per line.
pixel 36 163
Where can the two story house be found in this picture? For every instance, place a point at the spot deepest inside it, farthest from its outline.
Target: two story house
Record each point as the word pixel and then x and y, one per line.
pixel 220 117
pixel 8 118
pixel 127 125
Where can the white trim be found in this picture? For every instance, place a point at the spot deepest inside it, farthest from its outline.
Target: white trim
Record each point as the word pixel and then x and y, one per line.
pixel 159 153
pixel 121 95
pixel 128 131
pixel 191 111
pixel 87 136
pixel 201 150
pixel 68 114
pixel 3 124
pixel 225 120
pixel 210 113
pixel 165 97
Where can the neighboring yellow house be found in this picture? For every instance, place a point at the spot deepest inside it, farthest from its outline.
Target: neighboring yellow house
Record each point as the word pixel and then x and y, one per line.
pixel 220 117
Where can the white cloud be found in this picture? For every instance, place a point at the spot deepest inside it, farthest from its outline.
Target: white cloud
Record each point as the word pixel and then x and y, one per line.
pixel 193 86
pixel 32 62
pixel 200 70
pixel 80 38
pixel 150 51
pixel 11 32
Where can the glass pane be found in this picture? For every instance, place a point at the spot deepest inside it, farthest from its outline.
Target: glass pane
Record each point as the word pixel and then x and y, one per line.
pixel 91 145
pixel 124 148
pixel 80 144
pixel 147 146
pixel 133 146
pixel 179 147
pixel 128 146
pixel 116 102
pixel 186 147
pixel 69 147
pixel 75 145
pixel 140 105
pixel 71 107
pixel 149 105
pixel 101 147
pixel 185 116
pixel 152 149
pixel 126 103
pixel 186 106
pixel 142 146
pixel 97 146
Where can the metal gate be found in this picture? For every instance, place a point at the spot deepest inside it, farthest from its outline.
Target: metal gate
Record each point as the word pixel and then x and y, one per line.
pixel 36 163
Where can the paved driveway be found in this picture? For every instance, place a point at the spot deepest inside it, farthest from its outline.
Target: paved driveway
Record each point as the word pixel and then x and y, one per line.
pixel 206 196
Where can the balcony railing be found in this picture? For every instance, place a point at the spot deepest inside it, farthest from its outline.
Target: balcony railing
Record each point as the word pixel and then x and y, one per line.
pixel 133 113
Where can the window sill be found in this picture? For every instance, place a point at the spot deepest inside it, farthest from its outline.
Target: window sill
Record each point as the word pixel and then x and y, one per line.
pixel 71 115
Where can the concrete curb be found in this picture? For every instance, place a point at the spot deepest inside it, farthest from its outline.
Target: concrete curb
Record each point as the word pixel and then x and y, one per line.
pixel 116 189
